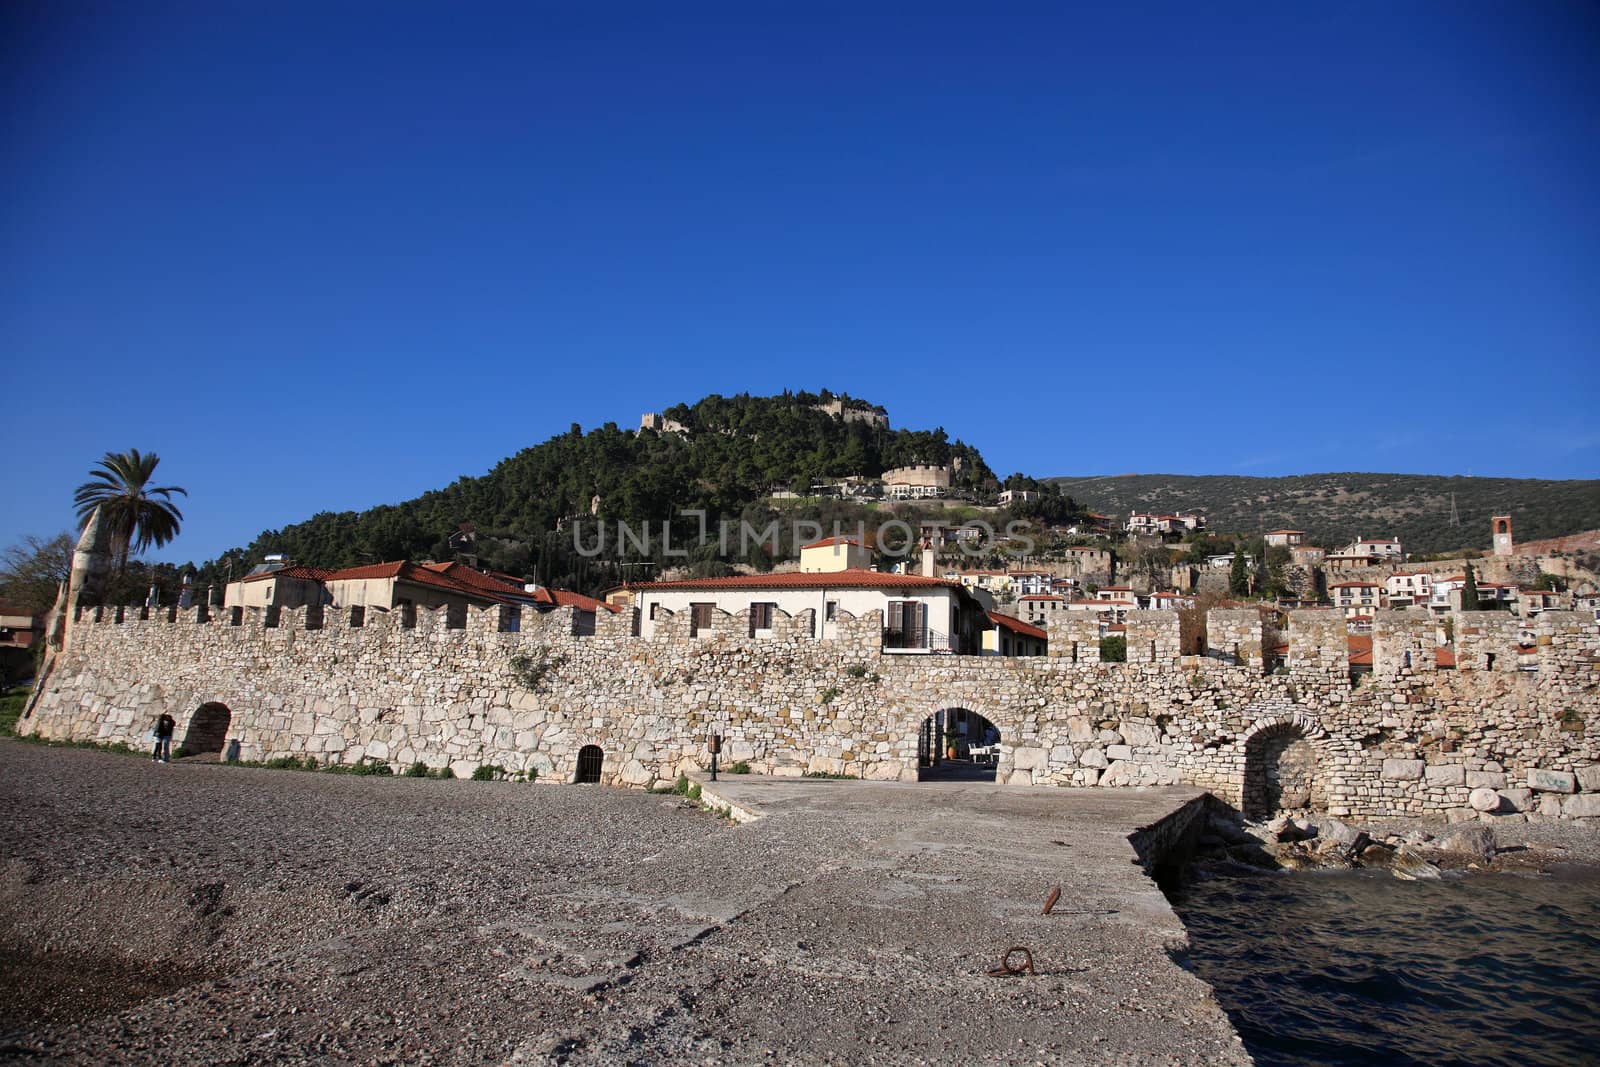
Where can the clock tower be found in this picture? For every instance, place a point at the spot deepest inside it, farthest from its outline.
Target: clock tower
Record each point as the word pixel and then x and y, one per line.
pixel 1501 525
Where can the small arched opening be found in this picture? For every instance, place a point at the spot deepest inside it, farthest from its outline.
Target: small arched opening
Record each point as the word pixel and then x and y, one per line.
pixel 1280 772
pixel 957 744
pixel 208 730
pixel 590 760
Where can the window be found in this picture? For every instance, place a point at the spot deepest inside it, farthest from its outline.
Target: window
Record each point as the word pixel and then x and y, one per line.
pixel 358 617
pixel 700 618
pixel 830 610
pixel 761 616
pixel 655 611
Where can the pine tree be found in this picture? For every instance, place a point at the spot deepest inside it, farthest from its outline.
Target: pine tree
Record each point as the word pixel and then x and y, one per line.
pixel 1239 579
pixel 1469 591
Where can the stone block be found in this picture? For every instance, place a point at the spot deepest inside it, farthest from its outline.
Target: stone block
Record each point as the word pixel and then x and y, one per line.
pixel 1517 799
pixel 1402 770
pixel 1552 781
pixel 1119 752
pixel 1028 759
pixel 1582 806
pixel 1093 757
pixel 1486 780
pixel 1445 774
pixel 1589 778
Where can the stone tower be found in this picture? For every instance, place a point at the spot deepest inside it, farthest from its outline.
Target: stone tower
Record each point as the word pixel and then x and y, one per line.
pixel 1501 525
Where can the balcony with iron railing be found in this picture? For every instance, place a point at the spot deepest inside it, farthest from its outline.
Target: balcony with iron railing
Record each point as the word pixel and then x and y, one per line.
pixel 919 640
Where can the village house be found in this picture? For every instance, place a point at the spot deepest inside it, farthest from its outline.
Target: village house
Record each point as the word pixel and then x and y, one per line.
pixel 1366 552
pixel 19 631
pixel 1356 598
pixel 1285 538
pixel 1030 583
pixel 995 583
pixel 1012 496
pixel 401 585
pixel 1447 595
pixel 920 613
pixel 1531 602
pixel 1012 637
pixel 1037 608
pixel 834 554
pixel 1109 612
pixel 1143 523
pixel 1588 603
pixel 1168 601
pixel 1307 555
pixel 1414 589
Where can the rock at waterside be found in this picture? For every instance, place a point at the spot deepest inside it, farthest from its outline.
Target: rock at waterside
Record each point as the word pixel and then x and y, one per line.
pixel 1474 845
pixel 1410 866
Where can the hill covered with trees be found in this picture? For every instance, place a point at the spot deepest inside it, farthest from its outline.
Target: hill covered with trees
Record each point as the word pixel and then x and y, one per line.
pixel 1332 508
pixel 733 453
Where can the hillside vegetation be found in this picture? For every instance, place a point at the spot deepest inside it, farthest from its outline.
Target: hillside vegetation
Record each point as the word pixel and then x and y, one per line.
pixel 1332 508
pixel 734 452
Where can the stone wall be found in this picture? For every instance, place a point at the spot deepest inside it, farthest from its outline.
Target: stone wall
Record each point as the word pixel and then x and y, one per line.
pixel 1407 739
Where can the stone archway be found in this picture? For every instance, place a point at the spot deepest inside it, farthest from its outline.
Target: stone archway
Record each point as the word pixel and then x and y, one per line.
pixel 591 759
pixel 208 729
pixel 1281 771
pixel 972 737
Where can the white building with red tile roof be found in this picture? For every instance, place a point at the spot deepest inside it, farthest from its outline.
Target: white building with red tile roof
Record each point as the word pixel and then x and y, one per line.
pixel 1010 636
pixel 920 614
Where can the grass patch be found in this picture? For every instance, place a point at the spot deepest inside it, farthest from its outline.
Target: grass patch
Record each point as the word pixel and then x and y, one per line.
pixel 11 706
pixel 742 767
pixel 830 774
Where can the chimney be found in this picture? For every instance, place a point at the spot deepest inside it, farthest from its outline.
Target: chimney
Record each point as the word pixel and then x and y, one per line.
pixel 927 560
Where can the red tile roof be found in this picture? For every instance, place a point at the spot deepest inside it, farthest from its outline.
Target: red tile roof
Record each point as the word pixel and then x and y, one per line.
pixel 296 571
pixel 406 571
pixel 1360 651
pixel 1016 626
pixel 561 598
pixel 488 583
pixel 828 542
pixel 854 578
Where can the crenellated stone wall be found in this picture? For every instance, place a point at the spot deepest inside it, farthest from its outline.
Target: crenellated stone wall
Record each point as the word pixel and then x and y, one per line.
pixel 528 693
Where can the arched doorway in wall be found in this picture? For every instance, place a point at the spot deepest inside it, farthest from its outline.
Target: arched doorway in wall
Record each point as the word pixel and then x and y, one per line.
pixel 590 759
pixel 208 730
pixel 957 744
pixel 1280 772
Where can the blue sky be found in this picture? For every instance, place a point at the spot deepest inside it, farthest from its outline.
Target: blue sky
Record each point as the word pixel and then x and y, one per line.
pixel 325 256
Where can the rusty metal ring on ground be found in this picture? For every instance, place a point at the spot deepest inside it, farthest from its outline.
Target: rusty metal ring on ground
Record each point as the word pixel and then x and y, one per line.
pixel 1009 970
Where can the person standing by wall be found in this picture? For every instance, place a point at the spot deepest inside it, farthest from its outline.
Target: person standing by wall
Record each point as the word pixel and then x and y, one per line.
pixel 163 750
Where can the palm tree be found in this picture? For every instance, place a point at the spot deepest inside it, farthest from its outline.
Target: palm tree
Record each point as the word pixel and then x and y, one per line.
pixel 137 515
